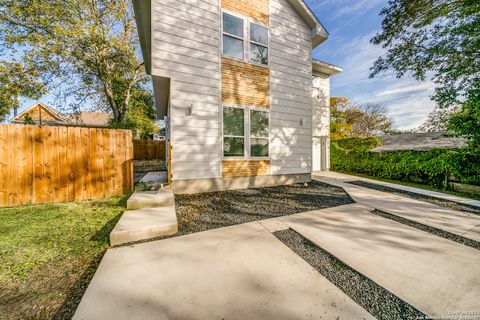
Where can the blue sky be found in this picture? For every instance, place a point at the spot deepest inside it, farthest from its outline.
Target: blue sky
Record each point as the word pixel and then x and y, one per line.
pixel 351 24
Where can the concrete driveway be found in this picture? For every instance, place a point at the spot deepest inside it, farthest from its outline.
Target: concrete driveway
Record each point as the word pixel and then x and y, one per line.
pixel 245 272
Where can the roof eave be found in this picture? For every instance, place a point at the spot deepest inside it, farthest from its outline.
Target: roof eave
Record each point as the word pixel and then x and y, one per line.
pixel 319 33
pixel 320 67
pixel 143 18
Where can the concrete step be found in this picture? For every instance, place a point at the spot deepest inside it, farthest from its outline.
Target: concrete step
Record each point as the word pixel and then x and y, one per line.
pixel 143 224
pixel 151 199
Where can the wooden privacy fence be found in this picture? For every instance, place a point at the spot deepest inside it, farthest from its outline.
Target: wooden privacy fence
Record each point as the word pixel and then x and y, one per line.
pixel 148 150
pixel 56 164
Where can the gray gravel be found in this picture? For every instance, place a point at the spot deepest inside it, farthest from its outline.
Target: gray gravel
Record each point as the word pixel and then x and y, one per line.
pixel 204 211
pixel 378 301
pixel 441 202
pixel 435 231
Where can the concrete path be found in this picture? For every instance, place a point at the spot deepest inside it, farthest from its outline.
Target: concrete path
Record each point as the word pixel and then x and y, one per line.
pixel 457 222
pixel 439 195
pixel 239 272
pixel 433 274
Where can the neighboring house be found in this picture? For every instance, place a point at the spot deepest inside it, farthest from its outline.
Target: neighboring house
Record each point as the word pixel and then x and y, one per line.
pixel 419 142
pixel 42 114
pixel 244 103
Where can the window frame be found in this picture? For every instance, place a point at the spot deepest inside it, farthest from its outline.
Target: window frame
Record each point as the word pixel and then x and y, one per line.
pixel 224 33
pixel 250 136
pixel 250 41
pixel 246 39
pixel 247 136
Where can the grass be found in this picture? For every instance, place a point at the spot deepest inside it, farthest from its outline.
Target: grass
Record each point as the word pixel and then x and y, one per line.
pixel 417 185
pixel 49 254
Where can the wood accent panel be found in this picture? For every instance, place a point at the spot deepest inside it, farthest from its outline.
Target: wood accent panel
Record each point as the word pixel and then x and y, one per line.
pixel 245 168
pixel 257 10
pixel 245 84
pixel 48 164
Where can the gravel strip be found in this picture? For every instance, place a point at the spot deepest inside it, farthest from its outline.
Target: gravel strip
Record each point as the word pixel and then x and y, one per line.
pixel 441 202
pixel 378 301
pixel 423 227
pixel 205 211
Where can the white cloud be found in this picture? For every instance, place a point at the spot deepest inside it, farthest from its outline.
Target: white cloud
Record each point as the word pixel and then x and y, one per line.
pixel 407 101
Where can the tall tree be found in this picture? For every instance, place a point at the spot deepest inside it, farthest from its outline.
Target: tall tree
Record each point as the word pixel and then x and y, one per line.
pixel 437 39
pixel 351 120
pixel 437 120
pixel 88 45
pixel 373 120
pixel 15 82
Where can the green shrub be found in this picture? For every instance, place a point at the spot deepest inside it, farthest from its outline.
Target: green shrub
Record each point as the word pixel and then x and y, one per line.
pixel 431 166
pixel 358 144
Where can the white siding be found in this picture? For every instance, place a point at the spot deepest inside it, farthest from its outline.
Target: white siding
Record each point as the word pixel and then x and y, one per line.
pixel 321 105
pixel 290 90
pixel 185 48
pixel 321 112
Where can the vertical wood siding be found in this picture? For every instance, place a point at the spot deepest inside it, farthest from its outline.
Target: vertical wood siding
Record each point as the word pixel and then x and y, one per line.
pixel 245 84
pixel 291 91
pixel 186 49
pixel 57 164
pixel 257 10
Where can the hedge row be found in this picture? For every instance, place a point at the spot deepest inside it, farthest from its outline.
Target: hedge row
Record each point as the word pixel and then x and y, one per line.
pixel 462 165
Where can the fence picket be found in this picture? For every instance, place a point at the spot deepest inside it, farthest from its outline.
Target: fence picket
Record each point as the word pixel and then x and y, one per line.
pixel 55 164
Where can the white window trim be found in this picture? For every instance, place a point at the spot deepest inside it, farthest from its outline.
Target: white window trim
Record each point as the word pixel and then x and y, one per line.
pixel 246 39
pixel 247 137
pixel 250 41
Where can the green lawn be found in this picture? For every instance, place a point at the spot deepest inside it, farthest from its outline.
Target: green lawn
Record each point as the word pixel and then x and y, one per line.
pixel 418 185
pixel 49 253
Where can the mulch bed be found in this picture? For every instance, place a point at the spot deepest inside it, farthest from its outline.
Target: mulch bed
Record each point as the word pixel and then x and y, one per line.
pixel 441 202
pixel 378 301
pixel 204 211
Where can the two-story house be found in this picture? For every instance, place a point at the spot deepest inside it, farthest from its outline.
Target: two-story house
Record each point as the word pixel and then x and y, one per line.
pixel 245 105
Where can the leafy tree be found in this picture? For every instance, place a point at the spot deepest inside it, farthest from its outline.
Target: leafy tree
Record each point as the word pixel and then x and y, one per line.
pixel 467 121
pixel 141 114
pixel 437 120
pixel 437 39
pixel 28 120
pixel 349 120
pixel 372 120
pixel 90 46
pixel 15 82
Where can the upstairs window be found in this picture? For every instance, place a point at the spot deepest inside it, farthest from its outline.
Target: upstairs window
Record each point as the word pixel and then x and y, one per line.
pixel 233 36
pixel 258 44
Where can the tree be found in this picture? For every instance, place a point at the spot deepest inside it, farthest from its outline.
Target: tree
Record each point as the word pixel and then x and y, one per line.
pixel 350 120
pixel 15 82
pixel 372 120
pixel 141 113
pixel 467 121
pixel 437 120
pixel 90 46
pixel 435 39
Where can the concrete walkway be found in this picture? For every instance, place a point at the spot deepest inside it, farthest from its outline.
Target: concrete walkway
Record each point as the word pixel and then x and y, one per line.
pixel 439 195
pixel 457 222
pixel 240 272
pixel 245 272
pixel 433 274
